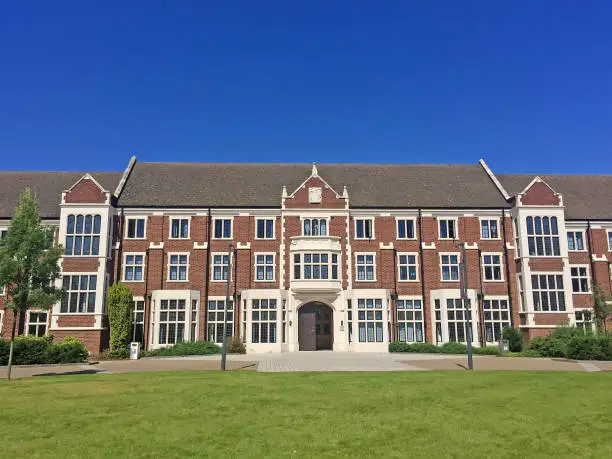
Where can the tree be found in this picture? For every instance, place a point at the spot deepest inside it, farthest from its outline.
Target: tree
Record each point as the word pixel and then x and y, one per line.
pixel 602 307
pixel 120 311
pixel 28 263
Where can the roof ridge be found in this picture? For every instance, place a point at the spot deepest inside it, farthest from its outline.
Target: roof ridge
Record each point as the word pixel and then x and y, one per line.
pixel 187 163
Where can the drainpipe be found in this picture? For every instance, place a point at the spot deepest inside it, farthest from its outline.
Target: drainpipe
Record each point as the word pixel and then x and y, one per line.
pixel 422 269
pixel 394 298
pixel 480 303
pixel 236 305
pixel 507 263
pixel 163 251
pixel 207 280
pixel 120 248
pixel 590 253
pixel 147 300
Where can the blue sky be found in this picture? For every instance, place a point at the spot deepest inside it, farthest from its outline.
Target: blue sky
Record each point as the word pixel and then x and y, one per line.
pixel 527 85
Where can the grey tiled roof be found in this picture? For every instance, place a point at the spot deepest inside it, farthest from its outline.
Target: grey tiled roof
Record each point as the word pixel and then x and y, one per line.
pixel 48 186
pixel 260 185
pixel 584 196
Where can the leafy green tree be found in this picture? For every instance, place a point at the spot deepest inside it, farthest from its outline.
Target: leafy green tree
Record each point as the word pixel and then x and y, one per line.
pixel 120 309
pixel 602 307
pixel 28 263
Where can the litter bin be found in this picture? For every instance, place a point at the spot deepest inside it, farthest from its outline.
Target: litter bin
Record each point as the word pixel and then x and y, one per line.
pixel 134 351
pixel 504 346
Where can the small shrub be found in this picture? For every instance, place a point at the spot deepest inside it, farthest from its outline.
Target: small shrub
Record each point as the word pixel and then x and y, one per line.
pixel 427 348
pixel 29 350
pixel 555 343
pixel 119 354
pixel 514 337
pixel 187 348
pixel 236 346
pixel 529 353
pixel 590 347
pixel 486 351
pixel 453 348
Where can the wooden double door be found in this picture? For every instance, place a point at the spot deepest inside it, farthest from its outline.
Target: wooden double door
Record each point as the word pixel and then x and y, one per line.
pixel 315 327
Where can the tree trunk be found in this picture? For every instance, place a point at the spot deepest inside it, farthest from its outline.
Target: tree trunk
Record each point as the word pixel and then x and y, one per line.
pixel 10 359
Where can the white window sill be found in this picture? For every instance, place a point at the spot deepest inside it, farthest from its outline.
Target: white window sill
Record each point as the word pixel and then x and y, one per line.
pixel 365 238
pixel 581 293
pixel 177 280
pixel 179 238
pixel 494 281
pixel 135 238
pixel 577 250
pixel 548 312
pixel 75 313
pixel 449 280
pixel 408 280
pixel 265 239
pixel 365 280
pixel 490 238
pixel 222 238
pixel 133 281
pixel 219 280
pixel 267 280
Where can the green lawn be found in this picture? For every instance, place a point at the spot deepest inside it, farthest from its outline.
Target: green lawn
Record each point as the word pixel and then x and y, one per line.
pixel 248 414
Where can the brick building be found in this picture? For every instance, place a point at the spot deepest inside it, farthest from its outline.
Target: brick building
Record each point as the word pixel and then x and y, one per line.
pixel 342 257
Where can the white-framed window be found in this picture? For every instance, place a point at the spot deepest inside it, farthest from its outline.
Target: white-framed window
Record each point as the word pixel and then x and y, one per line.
pixel 216 319
pixel 133 267
pixel 138 320
pixel 135 228
pixel 83 235
pixel 548 292
pixel 3 234
pixel 1 320
pixel 37 323
pixel 405 228
pixel 179 228
pixel 222 228
pixel 580 279
pixel 314 227
pixel 609 241
pixel 543 236
pixel 80 294
pixel 370 320
pixel 584 319
pixel 521 287
pixel 364 228
pixel 492 267
pixel 366 266
pixel 496 315
pixel 220 266
pixel 315 266
pixel 172 315
pixel 263 321
pixel 408 266
pixel 449 266
pixel 264 267
pixel 575 241
pixel 178 267
pixel 447 228
pixel 410 321
pixel 264 228
pixel 489 228
pixel 457 330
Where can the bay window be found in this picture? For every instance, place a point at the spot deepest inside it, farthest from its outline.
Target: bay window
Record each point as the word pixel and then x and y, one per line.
pixel 543 236
pixel 314 227
pixel 315 266
pixel 83 235
pixel 370 320
pixel 410 321
pixel 548 292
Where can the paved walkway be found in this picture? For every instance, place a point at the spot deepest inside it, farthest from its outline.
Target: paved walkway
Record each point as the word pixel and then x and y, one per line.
pixel 314 361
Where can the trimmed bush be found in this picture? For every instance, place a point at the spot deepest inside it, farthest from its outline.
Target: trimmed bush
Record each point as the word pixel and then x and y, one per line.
pixel 514 337
pixel 486 351
pixel 530 353
pixel 398 346
pixel 32 350
pixel 120 354
pixel 590 347
pixel 187 348
pixel 555 344
pixel 236 346
pixel 453 348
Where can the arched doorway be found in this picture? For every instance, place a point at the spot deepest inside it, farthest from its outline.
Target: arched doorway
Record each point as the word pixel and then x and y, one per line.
pixel 315 327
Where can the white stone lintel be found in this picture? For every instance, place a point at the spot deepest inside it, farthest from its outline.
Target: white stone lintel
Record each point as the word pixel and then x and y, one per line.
pixel 243 245
pixel 386 246
pixel 203 245
pixel 153 245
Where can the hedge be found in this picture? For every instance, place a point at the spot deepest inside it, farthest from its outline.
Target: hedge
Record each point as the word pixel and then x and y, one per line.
pixel 32 350
pixel 446 348
pixel 573 343
pixel 186 348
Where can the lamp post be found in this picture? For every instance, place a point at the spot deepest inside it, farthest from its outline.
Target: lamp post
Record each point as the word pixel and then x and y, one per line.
pixel 227 299
pixel 463 285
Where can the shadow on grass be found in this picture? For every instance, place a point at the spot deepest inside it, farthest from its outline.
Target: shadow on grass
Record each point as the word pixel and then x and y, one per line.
pixel 67 373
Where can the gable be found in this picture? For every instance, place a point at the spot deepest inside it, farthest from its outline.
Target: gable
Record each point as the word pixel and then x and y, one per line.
pixel 540 194
pixel 86 190
pixel 315 193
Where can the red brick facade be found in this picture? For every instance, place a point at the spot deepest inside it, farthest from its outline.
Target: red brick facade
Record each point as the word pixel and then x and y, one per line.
pixel 201 245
